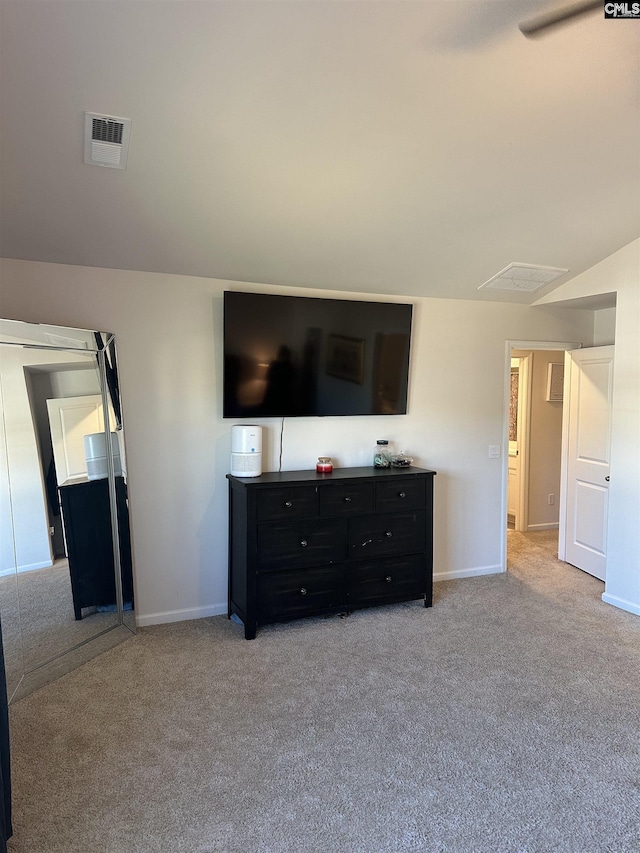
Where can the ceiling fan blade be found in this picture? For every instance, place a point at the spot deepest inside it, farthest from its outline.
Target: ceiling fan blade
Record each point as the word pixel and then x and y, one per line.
pixel 534 26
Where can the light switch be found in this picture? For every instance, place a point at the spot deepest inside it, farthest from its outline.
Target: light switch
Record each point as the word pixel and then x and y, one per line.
pixel 494 451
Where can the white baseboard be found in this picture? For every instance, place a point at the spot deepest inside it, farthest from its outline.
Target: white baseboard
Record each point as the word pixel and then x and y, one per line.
pixel 468 573
pixel 533 527
pixel 31 567
pixel 621 603
pixel 145 619
pixel 180 615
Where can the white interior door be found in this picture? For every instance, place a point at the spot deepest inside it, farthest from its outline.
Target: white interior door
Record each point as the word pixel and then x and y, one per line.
pixel 586 455
pixel 70 419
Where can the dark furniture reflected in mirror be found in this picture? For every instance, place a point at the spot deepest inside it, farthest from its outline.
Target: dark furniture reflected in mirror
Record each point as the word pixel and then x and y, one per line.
pixel 87 524
pixel 66 585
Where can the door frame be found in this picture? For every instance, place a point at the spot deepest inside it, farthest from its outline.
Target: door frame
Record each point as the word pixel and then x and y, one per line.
pixel 530 347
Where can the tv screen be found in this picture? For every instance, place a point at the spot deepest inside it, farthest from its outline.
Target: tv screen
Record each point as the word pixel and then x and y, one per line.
pixel 296 356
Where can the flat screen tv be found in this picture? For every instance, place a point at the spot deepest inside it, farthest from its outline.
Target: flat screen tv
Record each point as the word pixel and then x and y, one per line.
pixel 297 356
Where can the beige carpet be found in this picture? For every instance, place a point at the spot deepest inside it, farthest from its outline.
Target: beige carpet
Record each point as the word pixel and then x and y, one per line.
pixel 505 718
pixel 38 621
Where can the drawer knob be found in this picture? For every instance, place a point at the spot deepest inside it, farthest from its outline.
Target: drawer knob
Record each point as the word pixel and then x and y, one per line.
pixel 388 579
pixel 288 504
pixel 304 543
pixel 402 494
pixel 388 534
pixel 303 590
pixel 347 500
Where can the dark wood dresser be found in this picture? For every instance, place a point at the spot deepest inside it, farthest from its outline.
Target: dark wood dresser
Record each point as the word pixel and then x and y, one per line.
pixel 302 543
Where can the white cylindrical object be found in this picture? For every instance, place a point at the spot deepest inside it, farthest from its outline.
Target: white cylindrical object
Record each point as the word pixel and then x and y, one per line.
pixel 95 453
pixel 246 450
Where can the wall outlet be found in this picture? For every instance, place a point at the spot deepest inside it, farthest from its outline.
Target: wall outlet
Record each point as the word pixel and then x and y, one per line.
pixel 551 500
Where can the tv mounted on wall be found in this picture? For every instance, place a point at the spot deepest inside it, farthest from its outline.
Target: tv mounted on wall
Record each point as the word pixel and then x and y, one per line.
pixel 296 356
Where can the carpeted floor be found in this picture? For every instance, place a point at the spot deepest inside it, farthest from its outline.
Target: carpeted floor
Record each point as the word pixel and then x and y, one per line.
pixel 38 621
pixel 505 718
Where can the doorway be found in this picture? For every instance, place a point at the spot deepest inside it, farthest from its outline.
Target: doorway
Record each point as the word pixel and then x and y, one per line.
pixel 533 426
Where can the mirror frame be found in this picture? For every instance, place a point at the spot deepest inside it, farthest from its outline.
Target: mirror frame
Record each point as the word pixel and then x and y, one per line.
pixel 103 344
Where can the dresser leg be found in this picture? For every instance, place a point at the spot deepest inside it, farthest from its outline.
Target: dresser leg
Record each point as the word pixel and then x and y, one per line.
pixel 250 631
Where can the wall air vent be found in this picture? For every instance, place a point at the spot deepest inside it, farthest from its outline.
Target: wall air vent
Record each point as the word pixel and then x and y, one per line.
pixel 522 278
pixel 106 140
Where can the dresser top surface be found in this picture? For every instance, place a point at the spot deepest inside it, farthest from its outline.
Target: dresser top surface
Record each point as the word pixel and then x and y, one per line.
pixel 272 478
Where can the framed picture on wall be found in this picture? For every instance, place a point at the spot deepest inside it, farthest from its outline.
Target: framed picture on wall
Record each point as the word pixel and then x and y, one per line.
pixel 555 382
pixel 345 358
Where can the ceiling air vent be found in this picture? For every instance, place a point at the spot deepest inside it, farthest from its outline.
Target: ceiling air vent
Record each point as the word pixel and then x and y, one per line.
pixel 522 278
pixel 106 140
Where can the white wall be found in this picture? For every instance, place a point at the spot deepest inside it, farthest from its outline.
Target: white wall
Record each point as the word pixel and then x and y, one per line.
pixel 619 273
pixel 545 444
pixel 76 383
pixel 20 462
pixel 169 341
pixel 7 554
pixel 604 327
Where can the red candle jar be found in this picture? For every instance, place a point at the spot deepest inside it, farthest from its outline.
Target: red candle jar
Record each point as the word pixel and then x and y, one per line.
pixel 324 465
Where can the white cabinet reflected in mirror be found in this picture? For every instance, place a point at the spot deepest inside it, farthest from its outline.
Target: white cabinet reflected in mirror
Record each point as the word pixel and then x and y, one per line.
pixel 66 585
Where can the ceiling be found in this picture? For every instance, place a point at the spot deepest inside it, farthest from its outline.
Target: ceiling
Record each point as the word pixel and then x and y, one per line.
pixel 409 148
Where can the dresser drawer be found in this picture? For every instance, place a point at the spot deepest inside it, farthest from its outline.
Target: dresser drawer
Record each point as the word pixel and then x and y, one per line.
pixel 285 595
pixel 386 580
pixel 400 495
pixel 307 542
pixel 280 504
pixel 346 498
pixel 378 536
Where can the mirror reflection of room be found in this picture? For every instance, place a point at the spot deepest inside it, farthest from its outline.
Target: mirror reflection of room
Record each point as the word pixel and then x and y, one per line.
pixel 58 587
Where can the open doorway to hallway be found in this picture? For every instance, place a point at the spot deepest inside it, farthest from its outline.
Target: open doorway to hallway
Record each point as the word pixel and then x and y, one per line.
pixel 534 415
pixel 546 448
